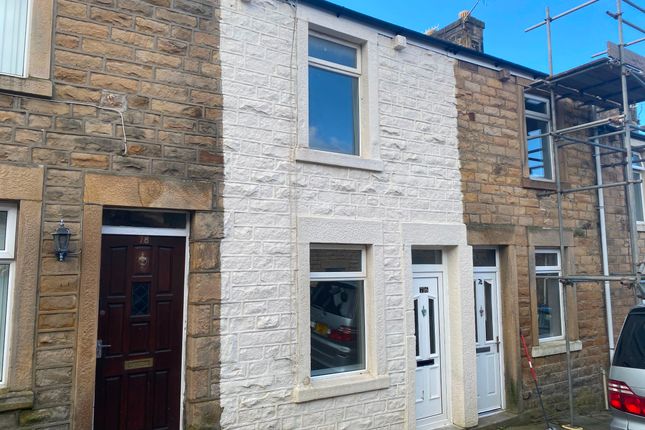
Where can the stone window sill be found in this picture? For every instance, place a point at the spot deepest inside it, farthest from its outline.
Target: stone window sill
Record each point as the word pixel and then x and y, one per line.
pixel 15 400
pixel 538 184
pixel 640 226
pixel 33 86
pixel 554 347
pixel 339 386
pixel 307 155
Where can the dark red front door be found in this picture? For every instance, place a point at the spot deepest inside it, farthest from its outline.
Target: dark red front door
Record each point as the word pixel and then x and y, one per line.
pixel 138 375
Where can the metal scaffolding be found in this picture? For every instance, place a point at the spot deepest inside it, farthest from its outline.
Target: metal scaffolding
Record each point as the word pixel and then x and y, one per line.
pixel 612 85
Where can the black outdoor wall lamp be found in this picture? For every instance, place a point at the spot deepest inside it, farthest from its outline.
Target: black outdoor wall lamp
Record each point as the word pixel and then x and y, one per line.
pixel 61 241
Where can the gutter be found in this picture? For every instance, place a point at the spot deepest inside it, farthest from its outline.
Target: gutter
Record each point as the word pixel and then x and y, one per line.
pixel 448 47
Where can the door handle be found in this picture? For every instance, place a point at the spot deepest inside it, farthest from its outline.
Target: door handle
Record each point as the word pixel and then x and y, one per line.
pixel 99 348
pixel 497 342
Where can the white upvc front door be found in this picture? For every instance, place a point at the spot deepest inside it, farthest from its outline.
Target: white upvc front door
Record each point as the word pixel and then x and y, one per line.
pixel 488 343
pixel 429 387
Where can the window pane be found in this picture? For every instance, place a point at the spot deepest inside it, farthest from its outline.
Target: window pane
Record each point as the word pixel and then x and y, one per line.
pixel 4 292
pixel 488 299
pixel 140 299
pixel 125 218
pixel 426 256
pixel 548 303
pixel 535 105
pixel 433 327
pixel 416 325
pixel 546 259
pixel 335 260
pixel 13 36
pixel 333 111
pixel 484 258
pixel 3 230
pixel 630 351
pixel 337 327
pixel 332 51
pixel 539 151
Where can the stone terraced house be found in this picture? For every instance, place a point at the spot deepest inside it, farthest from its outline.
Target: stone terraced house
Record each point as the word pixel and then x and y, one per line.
pixel 110 119
pixel 283 215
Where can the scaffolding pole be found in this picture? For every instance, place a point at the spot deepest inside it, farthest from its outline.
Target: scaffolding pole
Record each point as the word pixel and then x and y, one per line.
pixel 626 126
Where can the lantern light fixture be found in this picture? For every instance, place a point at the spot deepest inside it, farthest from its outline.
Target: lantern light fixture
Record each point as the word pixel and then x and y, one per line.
pixel 61 241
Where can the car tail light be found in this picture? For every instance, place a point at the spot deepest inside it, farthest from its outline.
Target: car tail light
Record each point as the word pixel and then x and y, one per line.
pixel 622 397
pixel 343 334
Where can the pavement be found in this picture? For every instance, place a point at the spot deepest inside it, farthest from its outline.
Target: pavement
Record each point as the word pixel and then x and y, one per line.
pixel 595 421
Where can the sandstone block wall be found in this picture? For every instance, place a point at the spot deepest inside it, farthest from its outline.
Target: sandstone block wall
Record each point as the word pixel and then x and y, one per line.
pixel 497 194
pixel 157 62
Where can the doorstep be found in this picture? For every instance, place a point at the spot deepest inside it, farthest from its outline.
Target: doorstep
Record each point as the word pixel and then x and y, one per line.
pixel 494 421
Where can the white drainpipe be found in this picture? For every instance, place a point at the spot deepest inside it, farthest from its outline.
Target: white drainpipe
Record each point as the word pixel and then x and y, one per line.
pixel 603 247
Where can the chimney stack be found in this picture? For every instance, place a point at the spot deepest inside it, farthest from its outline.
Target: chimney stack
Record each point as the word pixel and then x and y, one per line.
pixel 467 31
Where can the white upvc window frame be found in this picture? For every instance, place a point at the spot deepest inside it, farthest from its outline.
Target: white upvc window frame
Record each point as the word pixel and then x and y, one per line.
pixel 8 253
pixel 540 117
pixel 346 276
pixel 341 69
pixel 7 258
pixel 36 75
pixel 340 30
pixel 368 235
pixel 337 67
pixel 28 26
pixel 551 270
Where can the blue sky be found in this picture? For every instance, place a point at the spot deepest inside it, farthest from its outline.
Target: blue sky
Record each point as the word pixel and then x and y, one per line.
pixel 575 37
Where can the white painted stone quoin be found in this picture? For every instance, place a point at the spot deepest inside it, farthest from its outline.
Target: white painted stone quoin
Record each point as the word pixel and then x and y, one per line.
pixel 278 196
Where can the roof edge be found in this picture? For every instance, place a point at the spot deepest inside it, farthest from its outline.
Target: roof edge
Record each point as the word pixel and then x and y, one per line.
pixel 449 47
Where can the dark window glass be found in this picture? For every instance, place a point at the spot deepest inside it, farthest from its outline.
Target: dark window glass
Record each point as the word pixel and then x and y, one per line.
pixel 535 105
pixel 140 299
pixel 433 328
pixel 3 230
pixel 416 325
pixel 331 51
pixel 337 327
pixel 125 218
pixel 333 111
pixel 426 256
pixel 546 259
pixel 484 258
pixel 630 351
pixel 488 299
pixel 548 306
pixel 335 260
pixel 538 148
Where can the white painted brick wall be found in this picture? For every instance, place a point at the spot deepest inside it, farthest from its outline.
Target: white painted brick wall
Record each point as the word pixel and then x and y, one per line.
pixel 265 191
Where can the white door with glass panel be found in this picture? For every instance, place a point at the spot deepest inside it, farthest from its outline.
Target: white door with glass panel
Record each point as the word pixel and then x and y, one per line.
pixel 428 389
pixel 489 393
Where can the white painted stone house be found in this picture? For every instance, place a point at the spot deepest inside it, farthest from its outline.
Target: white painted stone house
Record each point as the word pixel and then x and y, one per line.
pixel 347 294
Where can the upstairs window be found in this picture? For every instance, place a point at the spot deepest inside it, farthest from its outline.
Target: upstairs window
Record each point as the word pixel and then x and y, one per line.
pixel 334 74
pixel 538 144
pixel 14 20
